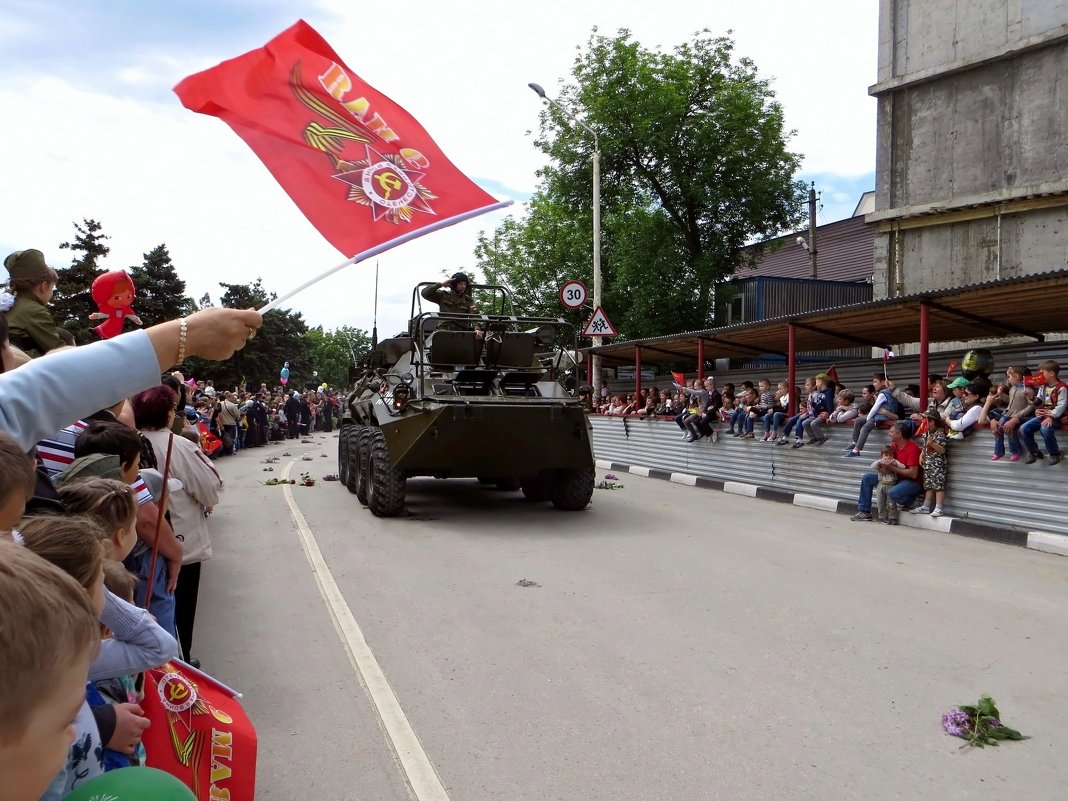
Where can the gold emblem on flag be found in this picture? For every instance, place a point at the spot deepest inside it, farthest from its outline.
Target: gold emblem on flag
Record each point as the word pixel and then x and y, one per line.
pixel 385 182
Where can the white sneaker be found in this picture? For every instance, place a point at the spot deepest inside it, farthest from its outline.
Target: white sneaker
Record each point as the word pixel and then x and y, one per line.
pixel 937 512
pixel 922 510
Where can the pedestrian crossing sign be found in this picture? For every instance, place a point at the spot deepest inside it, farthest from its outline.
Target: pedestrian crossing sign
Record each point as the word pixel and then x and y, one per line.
pixel 599 325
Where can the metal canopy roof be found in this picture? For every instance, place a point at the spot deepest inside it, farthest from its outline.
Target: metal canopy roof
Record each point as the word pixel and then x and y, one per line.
pixel 1032 305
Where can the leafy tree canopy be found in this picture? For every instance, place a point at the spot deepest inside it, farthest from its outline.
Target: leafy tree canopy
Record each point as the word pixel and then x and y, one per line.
pixel 694 165
pixel 160 292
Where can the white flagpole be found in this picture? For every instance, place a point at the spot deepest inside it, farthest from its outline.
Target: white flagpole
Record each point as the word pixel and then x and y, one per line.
pixel 274 304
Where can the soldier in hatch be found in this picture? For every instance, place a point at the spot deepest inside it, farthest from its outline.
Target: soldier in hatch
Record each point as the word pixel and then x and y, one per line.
pixel 454 297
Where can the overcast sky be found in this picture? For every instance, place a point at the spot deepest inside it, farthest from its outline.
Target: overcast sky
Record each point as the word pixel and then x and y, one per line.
pixel 91 127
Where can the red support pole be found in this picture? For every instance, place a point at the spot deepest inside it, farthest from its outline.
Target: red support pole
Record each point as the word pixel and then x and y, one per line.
pixel 791 368
pixel 701 359
pixel 637 371
pixel 924 368
pixel 589 373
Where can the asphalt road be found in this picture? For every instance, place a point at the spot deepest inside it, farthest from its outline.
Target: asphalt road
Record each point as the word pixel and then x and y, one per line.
pixel 676 643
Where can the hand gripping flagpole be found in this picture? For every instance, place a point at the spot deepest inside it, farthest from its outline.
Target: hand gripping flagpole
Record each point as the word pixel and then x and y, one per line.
pixel 274 304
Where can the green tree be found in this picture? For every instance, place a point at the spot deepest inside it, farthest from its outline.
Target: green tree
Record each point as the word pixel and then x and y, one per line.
pixel 73 302
pixel 694 164
pixel 331 353
pixel 280 339
pixel 205 301
pixel 160 292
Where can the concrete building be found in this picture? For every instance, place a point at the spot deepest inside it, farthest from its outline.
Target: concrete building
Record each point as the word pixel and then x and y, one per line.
pixel 972 162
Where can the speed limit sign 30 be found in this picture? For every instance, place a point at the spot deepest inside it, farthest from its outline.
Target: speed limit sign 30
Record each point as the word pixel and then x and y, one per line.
pixel 573 294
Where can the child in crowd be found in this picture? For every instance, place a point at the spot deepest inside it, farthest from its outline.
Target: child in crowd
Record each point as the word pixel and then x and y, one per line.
pixel 50 634
pixel 776 414
pixel 743 401
pixel 727 407
pixel 845 408
pixel 802 414
pixel 1005 410
pixel 765 405
pixel 820 406
pixel 121 583
pixel 17 481
pixel 935 464
pixel 697 402
pixel 1051 413
pixel 30 323
pixel 111 504
pixel 886 481
pixel 955 409
pixel 125 444
pixel 77 544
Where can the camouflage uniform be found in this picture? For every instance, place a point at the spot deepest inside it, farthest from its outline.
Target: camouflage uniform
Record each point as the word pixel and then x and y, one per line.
pixel 31 326
pixel 451 303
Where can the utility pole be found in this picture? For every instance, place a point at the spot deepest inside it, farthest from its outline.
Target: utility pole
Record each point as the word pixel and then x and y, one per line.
pixel 812 227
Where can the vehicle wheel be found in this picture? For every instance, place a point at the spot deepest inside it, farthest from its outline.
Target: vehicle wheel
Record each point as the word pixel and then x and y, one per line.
pixel 359 462
pixel 573 489
pixel 507 484
pixel 348 437
pixel 343 455
pixel 385 486
pixel 535 488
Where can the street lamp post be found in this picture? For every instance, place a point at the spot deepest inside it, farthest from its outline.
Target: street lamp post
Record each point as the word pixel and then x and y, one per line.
pixel 597 340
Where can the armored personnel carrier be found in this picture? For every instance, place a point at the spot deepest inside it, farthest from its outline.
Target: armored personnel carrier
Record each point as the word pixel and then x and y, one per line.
pixel 440 401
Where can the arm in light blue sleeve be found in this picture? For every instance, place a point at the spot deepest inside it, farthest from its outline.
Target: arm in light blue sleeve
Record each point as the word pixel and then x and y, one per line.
pixel 46 394
pixel 139 643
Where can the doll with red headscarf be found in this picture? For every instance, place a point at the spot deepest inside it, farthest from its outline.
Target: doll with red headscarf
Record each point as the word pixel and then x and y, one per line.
pixel 114 294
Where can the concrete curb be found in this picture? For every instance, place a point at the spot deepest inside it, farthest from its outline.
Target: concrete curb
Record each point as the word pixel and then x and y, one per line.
pixel 1045 541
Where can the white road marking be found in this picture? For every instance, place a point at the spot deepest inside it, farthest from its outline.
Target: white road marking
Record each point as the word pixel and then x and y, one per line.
pixel 423 779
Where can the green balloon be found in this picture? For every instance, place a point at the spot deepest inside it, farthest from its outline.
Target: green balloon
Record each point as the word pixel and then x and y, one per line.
pixel 133 784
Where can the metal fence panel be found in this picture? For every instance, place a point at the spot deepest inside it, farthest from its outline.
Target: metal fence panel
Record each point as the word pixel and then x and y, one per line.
pixel 1016 495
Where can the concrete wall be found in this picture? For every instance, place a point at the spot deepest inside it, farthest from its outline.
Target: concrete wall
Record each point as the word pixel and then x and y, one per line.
pixel 976 133
pixel 972 114
pixel 972 251
pixel 921 36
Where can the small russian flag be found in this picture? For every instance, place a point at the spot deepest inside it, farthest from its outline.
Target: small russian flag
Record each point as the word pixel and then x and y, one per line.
pixel 888 354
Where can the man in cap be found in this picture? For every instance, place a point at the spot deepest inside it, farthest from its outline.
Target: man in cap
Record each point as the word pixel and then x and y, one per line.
pixel 30 324
pixel 453 297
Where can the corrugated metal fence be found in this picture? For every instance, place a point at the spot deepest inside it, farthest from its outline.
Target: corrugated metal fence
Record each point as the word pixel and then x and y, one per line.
pixel 1016 495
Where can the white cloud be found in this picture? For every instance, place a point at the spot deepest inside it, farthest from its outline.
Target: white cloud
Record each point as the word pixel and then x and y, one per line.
pixel 153 172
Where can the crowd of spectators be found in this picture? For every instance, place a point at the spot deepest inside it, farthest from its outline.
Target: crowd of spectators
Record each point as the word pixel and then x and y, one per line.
pixel 242 418
pixel 1016 410
pixel 915 463
pixel 86 435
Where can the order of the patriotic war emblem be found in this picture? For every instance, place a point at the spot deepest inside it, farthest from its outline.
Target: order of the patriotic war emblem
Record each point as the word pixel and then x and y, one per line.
pixel 383 181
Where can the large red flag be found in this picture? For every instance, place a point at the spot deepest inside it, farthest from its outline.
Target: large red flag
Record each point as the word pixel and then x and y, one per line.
pixel 360 167
pixel 199 733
